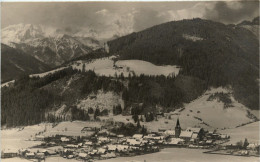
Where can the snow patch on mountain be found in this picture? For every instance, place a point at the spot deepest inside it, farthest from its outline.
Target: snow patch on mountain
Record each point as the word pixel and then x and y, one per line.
pixel 192 37
pixel 47 73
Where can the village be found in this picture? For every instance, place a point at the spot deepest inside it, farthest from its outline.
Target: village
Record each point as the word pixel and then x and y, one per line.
pixel 102 144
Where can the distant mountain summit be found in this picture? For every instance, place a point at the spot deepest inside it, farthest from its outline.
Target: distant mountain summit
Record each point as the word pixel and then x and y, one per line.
pixel 48 45
pixel 24 32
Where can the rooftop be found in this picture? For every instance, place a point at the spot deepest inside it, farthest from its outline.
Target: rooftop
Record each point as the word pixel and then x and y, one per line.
pixel 186 134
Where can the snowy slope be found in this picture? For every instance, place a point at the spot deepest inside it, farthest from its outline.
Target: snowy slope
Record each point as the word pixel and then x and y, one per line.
pixel 46 73
pixel 209 114
pixel 18 138
pixel 213 113
pixel 102 101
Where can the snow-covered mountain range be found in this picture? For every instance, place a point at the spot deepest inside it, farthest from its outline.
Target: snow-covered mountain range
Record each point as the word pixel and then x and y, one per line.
pixel 48 45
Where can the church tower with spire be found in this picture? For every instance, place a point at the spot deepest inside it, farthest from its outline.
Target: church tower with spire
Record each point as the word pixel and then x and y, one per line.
pixel 177 129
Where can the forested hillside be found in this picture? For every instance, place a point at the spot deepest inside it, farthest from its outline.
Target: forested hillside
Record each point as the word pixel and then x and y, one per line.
pixel 15 62
pixel 218 54
pixel 30 100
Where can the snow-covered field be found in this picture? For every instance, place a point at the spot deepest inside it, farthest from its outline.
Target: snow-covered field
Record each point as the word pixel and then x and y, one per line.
pixel 147 68
pixel 16 159
pixel 68 128
pixel 18 138
pixel 182 155
pixel 105 66
pixel 250 131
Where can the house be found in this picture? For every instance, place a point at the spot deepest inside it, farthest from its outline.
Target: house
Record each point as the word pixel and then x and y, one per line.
pixel 121 148
pixel 224 136
pixel 30 155
pixel 120 136
pixel 209 142
pixel 48 152
pixel 175 141
pixel 83 155
pixel 8 153
pixel 252 146
pixel 186 135
pixel 91 127
pixel 40 155
pixel 137 136
pixel 169 133
pixel 133 142
pixel 71 146
pixel 89 143
pixel 70 156
pixel 212 132
pixel 111 147
pixel 162 129
pixel 39 138
pixel 87 129
pixel 22 152
pixel 109 155
pixel 64 139
pixel 199 131
pixel 102 151
pixel 103 139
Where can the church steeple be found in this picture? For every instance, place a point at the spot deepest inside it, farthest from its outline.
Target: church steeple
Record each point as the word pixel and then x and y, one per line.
pixel 178 123
pixel 177 129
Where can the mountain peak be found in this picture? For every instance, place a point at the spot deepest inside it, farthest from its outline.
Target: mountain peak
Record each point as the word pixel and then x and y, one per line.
pixel 22 32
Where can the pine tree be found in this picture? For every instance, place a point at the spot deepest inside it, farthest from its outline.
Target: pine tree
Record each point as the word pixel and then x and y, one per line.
pixel 143 131
pixel 245 143
pixel 138 123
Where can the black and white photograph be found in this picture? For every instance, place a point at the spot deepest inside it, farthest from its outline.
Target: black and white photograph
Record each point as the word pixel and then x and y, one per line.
pixel 130 81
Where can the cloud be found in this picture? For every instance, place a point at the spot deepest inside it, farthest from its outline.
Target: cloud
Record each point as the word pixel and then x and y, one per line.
pixel 145 18
pixel 233 12
pixel 120 18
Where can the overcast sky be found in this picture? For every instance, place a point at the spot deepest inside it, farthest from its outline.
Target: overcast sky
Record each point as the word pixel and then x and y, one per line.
pixel 133 16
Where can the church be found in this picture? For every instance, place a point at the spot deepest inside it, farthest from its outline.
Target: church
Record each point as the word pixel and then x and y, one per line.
pixel 177 129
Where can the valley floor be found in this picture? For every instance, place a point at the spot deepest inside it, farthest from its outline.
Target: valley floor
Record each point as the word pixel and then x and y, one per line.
pixel 17 139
